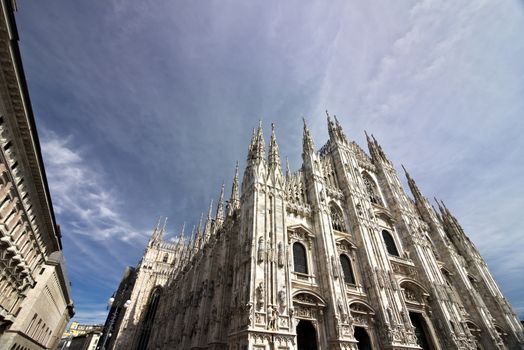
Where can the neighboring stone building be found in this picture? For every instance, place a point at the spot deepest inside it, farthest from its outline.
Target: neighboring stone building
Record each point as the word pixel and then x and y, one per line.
pixel 118 304
pixel 85 341
pixel 333 256
pixel 76 329
pixel 35 300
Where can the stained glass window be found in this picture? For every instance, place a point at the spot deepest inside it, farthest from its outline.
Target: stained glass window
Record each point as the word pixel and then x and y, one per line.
pixel 299 258
pixel 390 243
pixel 347 269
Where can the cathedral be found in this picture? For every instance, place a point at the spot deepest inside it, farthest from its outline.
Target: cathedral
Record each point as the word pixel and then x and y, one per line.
pixel 333 256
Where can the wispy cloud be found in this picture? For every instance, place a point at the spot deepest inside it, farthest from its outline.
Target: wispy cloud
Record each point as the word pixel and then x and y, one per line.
pixel 82 194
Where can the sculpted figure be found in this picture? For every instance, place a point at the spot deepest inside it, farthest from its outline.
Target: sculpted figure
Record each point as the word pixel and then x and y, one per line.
pixel 282 297
pixel 280 255
pixel 261 250
pixel 260 295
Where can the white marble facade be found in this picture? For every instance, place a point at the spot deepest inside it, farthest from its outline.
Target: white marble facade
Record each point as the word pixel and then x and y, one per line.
pixel 333 256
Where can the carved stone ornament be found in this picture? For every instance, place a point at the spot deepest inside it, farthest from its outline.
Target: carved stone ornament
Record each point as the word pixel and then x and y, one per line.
pixel 280 254
pixel 260 296
pixel 261 250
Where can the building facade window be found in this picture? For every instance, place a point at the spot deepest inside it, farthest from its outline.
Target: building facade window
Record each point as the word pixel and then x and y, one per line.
pixel 371 189
pixel 347 269
pixel 390 243
pixel 300 258
pixel 148 320
pixel 337 219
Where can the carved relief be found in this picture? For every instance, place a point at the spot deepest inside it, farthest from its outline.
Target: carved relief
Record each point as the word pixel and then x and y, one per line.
pixel 280 254
pixel 261 255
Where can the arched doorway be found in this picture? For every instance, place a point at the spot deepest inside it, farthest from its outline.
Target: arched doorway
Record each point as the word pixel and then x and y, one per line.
pixel 306 336
pixel 423 338
pixel 362 336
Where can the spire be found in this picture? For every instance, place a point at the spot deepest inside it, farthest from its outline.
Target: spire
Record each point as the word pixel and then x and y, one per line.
pixel 250 153
pixel 331 127
pixel 375 149
pixel 340 131
pixel 413 186
pixel 200 232
pixel 260 146
pixel 209 221
pixel 307 143
pixel 234 200
pixel 163 231
pixel 274 156
pixel 181 238
pixel 156 235
pixel 219 219
pixel 288 172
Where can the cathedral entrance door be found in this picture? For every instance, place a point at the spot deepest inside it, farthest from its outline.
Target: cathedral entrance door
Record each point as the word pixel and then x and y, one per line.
pixel 420 330
pixel 306 336
pixel 362 336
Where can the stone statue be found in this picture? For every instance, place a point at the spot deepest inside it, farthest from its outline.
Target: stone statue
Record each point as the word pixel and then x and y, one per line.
pixel 280 255
pixel 282 298
pixel 260 296
pixel 261 250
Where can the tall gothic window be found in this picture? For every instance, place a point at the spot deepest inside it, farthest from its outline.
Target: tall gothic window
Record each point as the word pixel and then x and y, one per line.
pixel 347 269
pixel 337 219
pixel 148 319
pixel 299 258
pixel 371 189
pixel 390 243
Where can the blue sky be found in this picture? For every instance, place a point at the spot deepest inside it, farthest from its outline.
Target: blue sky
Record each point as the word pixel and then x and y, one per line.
pixel 143 108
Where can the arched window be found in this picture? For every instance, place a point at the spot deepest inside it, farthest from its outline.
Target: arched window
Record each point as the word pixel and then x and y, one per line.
pixel 299 258
pixel 148 319
pixel 390 243
pixel 347 269
pixel 165 258
pixel 337 219
pixel 371 189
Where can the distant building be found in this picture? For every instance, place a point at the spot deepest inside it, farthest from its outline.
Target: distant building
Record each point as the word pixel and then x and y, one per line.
pixel 35 299
pixel 333 256
pixel 85 341
pixel 76 329
pixel 119 302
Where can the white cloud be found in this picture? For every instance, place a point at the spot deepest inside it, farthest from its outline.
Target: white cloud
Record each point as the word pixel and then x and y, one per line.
pixel 80 192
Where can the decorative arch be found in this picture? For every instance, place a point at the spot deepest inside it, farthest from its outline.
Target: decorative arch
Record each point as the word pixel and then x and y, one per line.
pixel 391 247
pixel 337 218
pixel 371 189
pixel 413 291
pixel 308 297
pixel 345 246
pixel 361 306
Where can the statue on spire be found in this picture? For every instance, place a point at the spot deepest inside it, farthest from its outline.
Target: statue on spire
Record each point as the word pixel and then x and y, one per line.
pixel 219 219
pixel 307 143
pixel 274 155
pixel 234 202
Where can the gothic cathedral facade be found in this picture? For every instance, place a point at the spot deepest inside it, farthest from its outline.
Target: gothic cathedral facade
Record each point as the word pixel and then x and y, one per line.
pixel 333 256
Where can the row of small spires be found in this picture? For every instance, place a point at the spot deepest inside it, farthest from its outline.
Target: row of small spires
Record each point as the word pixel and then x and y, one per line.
pixel 256 151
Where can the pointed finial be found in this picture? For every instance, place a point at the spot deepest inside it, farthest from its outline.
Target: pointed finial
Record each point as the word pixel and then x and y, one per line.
pixel 413 186
pixel 199 230
pixel 220 207
pixel 405 171
pixel 288 171
pixel 234 199
pixel 307 142
pixel 274 155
